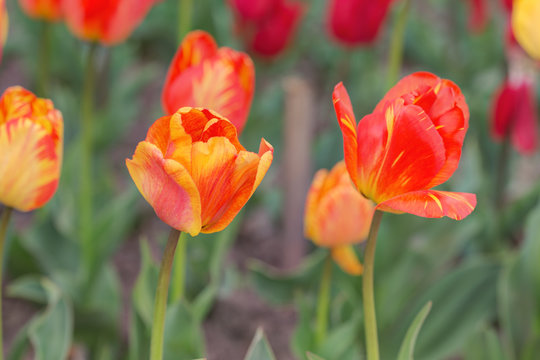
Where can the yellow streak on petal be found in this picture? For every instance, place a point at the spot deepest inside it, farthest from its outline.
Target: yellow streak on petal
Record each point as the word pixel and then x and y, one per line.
pixel 397 158
pixel 437 201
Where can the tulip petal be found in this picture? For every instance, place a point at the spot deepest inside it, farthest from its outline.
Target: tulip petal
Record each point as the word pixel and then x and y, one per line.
pixel 311 228
pixel 432 204
pixel 346 258
pixel 413 154
pixel 525 17
pixel 266 154
pixel 525 128
pixel 167 186
pixel 225 179
pixel 31 162
pixel 347 123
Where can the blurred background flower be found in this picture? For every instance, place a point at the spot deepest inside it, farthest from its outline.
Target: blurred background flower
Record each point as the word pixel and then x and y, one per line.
pixel 50 10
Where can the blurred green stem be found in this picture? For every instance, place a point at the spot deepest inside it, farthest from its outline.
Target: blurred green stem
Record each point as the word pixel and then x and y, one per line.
pixel 160 304
pixel 396 45
pixel 323 302
pixel 4 220
pixel 502 169
pixel 179 270
pixel 185 8
pixel 370 321
pixel 86 179
pixel 44 55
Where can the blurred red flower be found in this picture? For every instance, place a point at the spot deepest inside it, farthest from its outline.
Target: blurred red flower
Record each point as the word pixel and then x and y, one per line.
pixel 107 21
pixel 478 15
pixel 50 10
pixel 203 75
pixel 356 22
pixel 31 138
pixel 266 26
pixel 194 172
pixel 409 144
pixel 3 26
pixel 514 115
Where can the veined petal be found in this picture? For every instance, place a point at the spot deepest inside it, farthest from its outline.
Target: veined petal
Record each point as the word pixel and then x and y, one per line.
pixel 311 228
pixel 347 123
pixel 266 155
pixel 168 188
pixel 30 166
pixel 225 180
pixel 347 260
pixel 432 204
pixel 413 154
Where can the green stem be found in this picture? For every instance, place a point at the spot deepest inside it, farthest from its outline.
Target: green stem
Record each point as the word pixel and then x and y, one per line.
pixel 6 214
pixel 185 8
pixel 370 321
pixel 396 45
pixel 44 56
pixel 179 270
pixel 160 304
pixel 323 304
pixel 86 191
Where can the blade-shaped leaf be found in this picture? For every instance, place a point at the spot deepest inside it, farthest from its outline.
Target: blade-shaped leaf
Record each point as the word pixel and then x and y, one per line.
pixel 406 351
pixel 259 348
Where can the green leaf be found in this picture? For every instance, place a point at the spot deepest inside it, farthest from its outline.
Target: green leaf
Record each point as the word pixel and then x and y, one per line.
pixel 341 340
pixel 259 348
pixel 486 345
pixel 51 331
pixel 28 288
pixel 145 286
pixel 183 337
pixel 406 350
pixel 311 356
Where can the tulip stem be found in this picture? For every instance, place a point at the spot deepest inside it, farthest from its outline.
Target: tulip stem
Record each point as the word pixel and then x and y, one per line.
pixel 86 179
pixel 179 270
pixel 370 321
pixel 44 55
pixel 184 18
pixel 4 220
pixel 396 45
pixel 160 303
pixel 323 302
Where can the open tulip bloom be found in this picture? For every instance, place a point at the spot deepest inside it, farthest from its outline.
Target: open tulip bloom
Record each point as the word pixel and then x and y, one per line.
pixel 409 144
pixel 197 176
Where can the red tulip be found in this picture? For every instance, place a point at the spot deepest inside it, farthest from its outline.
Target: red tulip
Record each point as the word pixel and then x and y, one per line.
pixel 478 15
pixel 355 22
pixel 201 75
pixel 107 21
pixel 337 216
pixel 31 137
pixel 267 26
pixel 514 114
pixel 3 26
pixel 409 144
pixel 194 172
pixel 50 10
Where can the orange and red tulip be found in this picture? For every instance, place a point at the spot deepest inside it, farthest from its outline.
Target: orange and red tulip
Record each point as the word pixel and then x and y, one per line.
pixel 105 21
pixel 409 144
pixel 525 20
pixel 3 26
pixel 50 10
pixel 355 22
pixel 194 172
pixel 337 216
pixel 31 138
pixel 203 75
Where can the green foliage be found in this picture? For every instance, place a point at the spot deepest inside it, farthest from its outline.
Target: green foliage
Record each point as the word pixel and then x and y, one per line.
pixel 406 351
pixel 259 348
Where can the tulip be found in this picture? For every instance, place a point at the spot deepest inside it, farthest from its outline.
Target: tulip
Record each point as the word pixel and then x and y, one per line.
pixel 104 21
pixel 194 172
pixel 356 22
pixel 478 15
pixel 525 20
pixel 3 25
pixel 514 114
pixel 50 10
pixel 266 26
pixel 201 75
pixel 337 216
pixel 409 144
pixel 31 137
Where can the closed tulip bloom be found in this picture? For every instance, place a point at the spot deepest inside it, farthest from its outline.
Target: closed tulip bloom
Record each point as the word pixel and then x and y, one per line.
pixel 252 10
pixel 106 21
pixel 478 15
pixel 50 10
pixel 525 23
pixel 514 115
pixel 409 144
pixel 194 172
pixel 203 75
pixel 3 26
pixel 337 216
pixel 357 22
pixel 31 138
